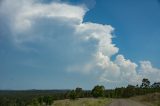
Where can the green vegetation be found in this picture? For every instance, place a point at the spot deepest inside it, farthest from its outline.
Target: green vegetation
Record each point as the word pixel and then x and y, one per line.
pixel 98 91
pixel 79 93
pixel 77 96
pixel 31 97
pixel 72 95
pixel 149 99
pixel 145 83
pixel 83 102
pixel 130 90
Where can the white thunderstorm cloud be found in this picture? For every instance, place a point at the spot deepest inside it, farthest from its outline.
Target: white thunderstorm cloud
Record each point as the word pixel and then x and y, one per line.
pixel 58 29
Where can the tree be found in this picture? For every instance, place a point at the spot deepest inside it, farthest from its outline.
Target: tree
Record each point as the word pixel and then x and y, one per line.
pixel 145 83
pixel 48 100
pixel 34 102
pixel 72 95
pixel 98 91
pixel 129 91
pixel 156 85
pixel 40 100
pixel 79 92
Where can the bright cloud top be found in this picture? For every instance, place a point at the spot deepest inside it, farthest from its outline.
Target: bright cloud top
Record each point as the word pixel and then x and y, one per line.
pixel 57 29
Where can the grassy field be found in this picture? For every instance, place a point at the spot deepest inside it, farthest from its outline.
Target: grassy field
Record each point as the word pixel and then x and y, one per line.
pixel 149 99
pixel 83 102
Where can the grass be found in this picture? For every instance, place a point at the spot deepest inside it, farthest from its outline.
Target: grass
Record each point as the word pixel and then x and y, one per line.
pixel 83 102
pixel 149 99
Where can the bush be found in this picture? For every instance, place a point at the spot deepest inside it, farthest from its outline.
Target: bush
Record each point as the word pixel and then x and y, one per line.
pixel 98 91
pixel 72 95
pixel 48 100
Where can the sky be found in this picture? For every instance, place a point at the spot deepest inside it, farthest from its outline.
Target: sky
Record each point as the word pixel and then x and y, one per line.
pixel 64 44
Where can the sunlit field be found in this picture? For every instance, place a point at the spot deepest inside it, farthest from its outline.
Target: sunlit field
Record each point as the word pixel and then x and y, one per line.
pixel 83 102
pixel 149 99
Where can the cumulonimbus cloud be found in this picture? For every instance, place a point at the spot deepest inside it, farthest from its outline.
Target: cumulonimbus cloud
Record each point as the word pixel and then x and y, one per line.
pixel 58 29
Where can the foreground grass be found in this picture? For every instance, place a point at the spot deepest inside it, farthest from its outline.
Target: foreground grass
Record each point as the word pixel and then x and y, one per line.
pixel 83 102
pixel 149 99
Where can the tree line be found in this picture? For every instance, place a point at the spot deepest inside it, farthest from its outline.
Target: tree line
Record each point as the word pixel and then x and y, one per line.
pixel 123 92
pixel 46 98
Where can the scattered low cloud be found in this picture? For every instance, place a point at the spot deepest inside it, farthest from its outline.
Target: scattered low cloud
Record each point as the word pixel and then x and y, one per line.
pixel 57 30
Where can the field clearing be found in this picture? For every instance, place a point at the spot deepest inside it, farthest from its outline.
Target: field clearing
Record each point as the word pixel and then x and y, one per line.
pixel 84 102
pixel 149 99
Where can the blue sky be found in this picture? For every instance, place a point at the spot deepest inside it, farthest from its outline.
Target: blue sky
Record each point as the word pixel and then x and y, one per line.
pixel 62 44
pixel 136 24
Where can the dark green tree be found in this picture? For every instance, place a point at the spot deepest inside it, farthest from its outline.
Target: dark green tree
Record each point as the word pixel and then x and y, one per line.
pixel 129 91
pixel 34 102
pixel 79 92
pixel 98 91
pixel 40 100
pixel 48 100
pixel 72 95
pixel 145 83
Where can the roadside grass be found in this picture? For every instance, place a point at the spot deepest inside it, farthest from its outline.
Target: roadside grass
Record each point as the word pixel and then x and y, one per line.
pixel 83 102
pixel 149 99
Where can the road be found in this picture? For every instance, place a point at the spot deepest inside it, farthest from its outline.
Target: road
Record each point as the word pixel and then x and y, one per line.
pixel 125 102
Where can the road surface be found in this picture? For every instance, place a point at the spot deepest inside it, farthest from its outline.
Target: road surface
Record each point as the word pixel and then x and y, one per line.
pixel 125 102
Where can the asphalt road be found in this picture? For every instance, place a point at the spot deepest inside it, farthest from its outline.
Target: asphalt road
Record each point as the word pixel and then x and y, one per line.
pixel 125 102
